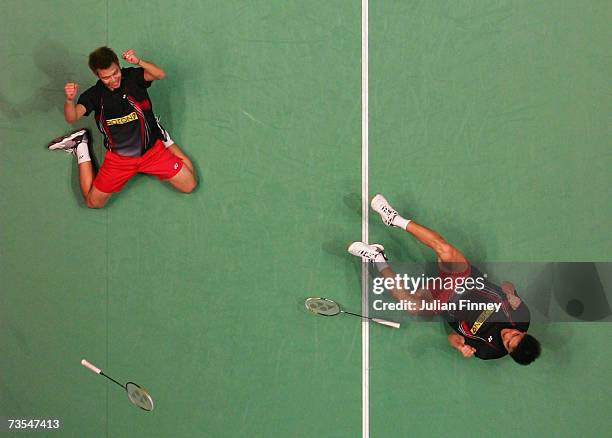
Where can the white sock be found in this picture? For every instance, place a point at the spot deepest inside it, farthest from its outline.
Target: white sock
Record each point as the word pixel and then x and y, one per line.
pixel 400 222
pixel 82 152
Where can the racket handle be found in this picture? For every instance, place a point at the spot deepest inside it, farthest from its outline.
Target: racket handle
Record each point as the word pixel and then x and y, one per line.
pixel 387 323
pixel 92 367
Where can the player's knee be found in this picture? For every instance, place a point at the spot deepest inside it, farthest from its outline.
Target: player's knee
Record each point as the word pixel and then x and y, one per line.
pixel 194 183
pixel 92 203
pixel 189 187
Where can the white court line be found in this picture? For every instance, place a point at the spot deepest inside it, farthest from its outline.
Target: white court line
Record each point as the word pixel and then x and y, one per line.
pixel 365 334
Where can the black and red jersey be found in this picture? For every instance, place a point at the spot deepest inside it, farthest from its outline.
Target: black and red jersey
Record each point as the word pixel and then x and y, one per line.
pixel 125 115
pixel 482 328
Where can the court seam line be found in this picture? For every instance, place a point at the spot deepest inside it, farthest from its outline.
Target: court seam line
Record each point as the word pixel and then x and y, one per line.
pixel 107 264
pixel 365 334
pixel 107 311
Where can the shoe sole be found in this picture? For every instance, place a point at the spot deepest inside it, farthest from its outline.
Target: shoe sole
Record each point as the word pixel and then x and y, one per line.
pixel 56 142
pixel 375 245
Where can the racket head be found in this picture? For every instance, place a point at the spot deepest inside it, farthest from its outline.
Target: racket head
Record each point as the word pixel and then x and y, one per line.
pixel 322 306
pixel 139 396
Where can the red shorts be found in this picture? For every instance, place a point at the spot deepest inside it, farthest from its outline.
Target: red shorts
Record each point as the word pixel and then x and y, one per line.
pixel 116 169
pixel 444 294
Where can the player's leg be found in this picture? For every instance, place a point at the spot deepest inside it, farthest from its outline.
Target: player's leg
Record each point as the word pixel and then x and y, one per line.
pixel 375 253
pixel 94 198
pixel 185 180
pixel 176 150
pixel 451 259
pixel 168 166
pixel 115 171
pixel 86 177
pixel 415 297
pixel 77 144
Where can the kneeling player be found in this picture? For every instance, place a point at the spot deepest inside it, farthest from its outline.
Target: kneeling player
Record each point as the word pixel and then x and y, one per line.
pixel 134 140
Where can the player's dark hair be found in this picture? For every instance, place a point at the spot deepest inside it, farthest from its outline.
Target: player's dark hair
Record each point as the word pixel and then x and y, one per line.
pixel 101 58
pixel 526 351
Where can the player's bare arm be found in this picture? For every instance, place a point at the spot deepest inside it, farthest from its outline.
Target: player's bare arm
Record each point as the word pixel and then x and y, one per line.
pixel 72 112
pixel 510 292
pixel 458 342
pixel 151 71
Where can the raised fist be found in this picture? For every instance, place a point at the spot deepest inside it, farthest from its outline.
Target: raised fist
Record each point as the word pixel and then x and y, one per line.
pixel 514 301
pixel 71 90
pixel 130 56
pixel 467 350
pixel 508 288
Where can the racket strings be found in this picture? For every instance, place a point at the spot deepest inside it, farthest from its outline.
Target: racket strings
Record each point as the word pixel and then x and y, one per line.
pixel 140 397
pixel 324 307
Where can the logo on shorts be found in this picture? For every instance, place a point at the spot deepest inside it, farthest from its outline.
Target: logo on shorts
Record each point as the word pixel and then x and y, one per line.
pixel 490 338
pixel 175 166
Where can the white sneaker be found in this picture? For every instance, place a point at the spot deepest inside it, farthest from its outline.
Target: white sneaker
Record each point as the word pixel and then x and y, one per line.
pixel 368 252
pixel 381 206
pixel 69 142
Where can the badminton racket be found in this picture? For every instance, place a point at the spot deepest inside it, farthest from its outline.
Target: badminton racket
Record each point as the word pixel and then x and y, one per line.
pixel 326 307
pixel 136 393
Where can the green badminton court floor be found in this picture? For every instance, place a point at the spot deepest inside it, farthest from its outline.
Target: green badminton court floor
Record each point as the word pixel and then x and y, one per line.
pixel 489 122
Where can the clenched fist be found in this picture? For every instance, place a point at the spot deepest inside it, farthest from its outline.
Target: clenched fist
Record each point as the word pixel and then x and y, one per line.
pixel 130 56
pixel 459 343
pixel 71 89
pixel 467 350
pixel 510 292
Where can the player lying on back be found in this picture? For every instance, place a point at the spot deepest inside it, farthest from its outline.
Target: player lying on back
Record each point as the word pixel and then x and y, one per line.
pixel 495 321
